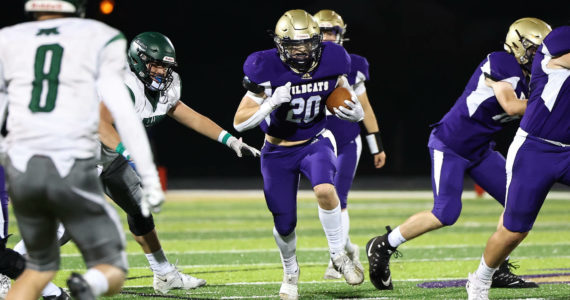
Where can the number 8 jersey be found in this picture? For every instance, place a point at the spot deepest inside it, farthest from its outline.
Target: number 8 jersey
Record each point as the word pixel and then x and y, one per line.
pixel 50 71
pixel 304 117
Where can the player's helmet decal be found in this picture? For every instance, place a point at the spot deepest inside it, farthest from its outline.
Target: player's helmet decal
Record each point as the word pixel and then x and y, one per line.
pixel 523 39
pixel 74 7
pixel 150 49
pixel 329 20
pixel 298 40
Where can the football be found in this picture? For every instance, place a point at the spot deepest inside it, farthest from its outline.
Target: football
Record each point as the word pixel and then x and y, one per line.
pixel 337 97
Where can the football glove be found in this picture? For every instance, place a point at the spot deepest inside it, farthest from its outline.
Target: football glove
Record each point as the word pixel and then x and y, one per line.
pixel 281 95
pixel 241 148
pixel 152 199
pixel 354 114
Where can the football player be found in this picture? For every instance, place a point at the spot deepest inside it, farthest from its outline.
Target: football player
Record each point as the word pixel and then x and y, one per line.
pixel 155 89
pixel 50 70
pixel 287 87
pixel 461 143
pixel 347 134
pixel 538 157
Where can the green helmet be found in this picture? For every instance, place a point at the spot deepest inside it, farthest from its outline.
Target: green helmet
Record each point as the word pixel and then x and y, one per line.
pixel 152 49
pixel 74 7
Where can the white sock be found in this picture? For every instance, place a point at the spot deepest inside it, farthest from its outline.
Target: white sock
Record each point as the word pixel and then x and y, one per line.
pixel 21 248
pixel 332 225
pixel 484 272
pixel 345 221
pixel 287 244
pixel 97 281
pixel 159 263
pixel 51 290
pixel 395 238
pixel 290 265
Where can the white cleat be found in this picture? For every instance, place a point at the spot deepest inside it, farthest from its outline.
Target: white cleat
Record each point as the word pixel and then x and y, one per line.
pixel 344 265
pixel 477 289
pixel 354 256
pixel 289 289
pixel 5 285
pixel 331 273
pixel 175 280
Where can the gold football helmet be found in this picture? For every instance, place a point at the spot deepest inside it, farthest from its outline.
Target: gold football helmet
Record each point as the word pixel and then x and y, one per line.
pixel 524 37
pixel 329 20
pixel 298 40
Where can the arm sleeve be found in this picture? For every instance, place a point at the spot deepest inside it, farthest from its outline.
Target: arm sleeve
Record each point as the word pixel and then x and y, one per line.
pixel 110 84
pixel 504 67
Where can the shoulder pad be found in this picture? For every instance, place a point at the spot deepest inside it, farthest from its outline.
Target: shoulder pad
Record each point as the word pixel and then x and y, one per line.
pixel 503 65
pixel 252 86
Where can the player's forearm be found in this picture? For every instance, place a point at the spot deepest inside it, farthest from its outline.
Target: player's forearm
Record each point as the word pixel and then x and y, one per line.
pixel 108 135
pixel 369 121
pixel 508 99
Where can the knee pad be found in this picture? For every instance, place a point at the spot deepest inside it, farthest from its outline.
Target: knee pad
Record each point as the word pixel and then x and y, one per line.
pixel 447 214
pixel 139 225
pixel 285 223
pixel 12 263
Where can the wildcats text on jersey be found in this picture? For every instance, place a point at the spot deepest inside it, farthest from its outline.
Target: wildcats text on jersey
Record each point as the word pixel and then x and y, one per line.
pixel 318 86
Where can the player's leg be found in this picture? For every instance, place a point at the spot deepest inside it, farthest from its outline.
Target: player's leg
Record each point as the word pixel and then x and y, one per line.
pixel 448 170
pixel 279 169
pixel 94 226
pixel 348 155
pixel 37 225
pixel 318 165
pixel 122 184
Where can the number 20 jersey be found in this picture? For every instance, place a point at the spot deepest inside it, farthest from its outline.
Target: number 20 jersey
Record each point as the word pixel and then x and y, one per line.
pixel 304 117
pixel 50 70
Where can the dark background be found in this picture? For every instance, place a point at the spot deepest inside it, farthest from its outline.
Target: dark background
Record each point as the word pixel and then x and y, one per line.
pixel 421 54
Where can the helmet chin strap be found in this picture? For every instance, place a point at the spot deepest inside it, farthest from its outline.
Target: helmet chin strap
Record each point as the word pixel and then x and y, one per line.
pixel 157 83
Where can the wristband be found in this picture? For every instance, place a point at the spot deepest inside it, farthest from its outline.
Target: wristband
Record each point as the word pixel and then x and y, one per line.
pixel 374 143
pixel 123 151
pixel 224 137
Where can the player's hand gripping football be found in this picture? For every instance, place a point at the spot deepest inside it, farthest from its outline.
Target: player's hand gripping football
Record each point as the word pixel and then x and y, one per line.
pixel 281 95
pixel 242 149
pixel 354 114
pixel 152 198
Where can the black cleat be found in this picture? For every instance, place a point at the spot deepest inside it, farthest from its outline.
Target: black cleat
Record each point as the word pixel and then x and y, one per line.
pixel 62 296
pixel 379 252
pixel 79 288
pixel 504 278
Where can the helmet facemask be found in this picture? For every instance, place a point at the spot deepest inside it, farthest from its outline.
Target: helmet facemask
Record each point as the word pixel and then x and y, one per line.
pixel 301 55
pixel 530 49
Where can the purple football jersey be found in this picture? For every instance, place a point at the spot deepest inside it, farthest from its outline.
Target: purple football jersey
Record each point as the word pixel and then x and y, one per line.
pixel 548 112
pixel 346 131
pixel 304 117
pixel 468 127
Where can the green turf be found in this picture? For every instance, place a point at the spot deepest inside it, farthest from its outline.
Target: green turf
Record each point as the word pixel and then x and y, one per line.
pixel 229 243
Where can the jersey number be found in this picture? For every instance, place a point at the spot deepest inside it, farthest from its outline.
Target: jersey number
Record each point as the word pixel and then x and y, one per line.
pixel 49 55
pixel 304 111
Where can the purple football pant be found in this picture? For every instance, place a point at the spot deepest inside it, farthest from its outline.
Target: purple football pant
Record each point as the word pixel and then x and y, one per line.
pixel 281 168
pixel 348 155
pixel 4 202
pixel 448 170
pixel 533 166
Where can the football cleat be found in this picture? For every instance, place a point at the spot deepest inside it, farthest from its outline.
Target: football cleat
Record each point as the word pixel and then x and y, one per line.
pixel 62 296
pixel 354 256
pixel 175 280
pixel 331 273
pixel 5 285
pixel 289 289
pixel 346 267
pixel 379 251
pixel 504 278
pixel 79 288
pixel 477 289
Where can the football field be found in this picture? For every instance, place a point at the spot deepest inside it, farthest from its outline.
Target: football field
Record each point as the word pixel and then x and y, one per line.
pixel 226 238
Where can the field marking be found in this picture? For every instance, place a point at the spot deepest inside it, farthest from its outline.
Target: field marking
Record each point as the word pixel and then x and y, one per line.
pixel 425 194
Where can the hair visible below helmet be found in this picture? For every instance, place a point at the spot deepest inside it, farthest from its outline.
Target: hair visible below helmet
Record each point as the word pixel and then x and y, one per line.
pixel 523 39
pixel 150 48
pixel 329 20
pixel 73 7
pixel 298 40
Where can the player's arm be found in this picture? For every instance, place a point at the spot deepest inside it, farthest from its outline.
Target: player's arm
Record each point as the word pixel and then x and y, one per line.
pixel 254 107
pixel 506 96
pixel 115 96
pixel 108 135
pixel 203 125
pixel 562 61
pixel 373 132
pixel 355 112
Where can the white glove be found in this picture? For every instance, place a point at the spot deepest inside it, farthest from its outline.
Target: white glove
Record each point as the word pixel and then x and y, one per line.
pixel 281 95
pixel 152 198
pixel 354 114
pixel 241 148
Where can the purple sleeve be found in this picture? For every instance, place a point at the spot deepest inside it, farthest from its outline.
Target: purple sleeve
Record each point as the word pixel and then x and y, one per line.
pixel 557 42
pixel 360 64
pixel 504 65
pixel 252 67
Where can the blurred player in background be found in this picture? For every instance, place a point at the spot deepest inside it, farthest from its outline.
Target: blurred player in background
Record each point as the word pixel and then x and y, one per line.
pixel 538 157
pixel 347 134
pixel 287 89
pixel 461 143
pixel 50 71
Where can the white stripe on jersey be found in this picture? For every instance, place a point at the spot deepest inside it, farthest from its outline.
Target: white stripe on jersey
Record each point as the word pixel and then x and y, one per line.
pixel 556 78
